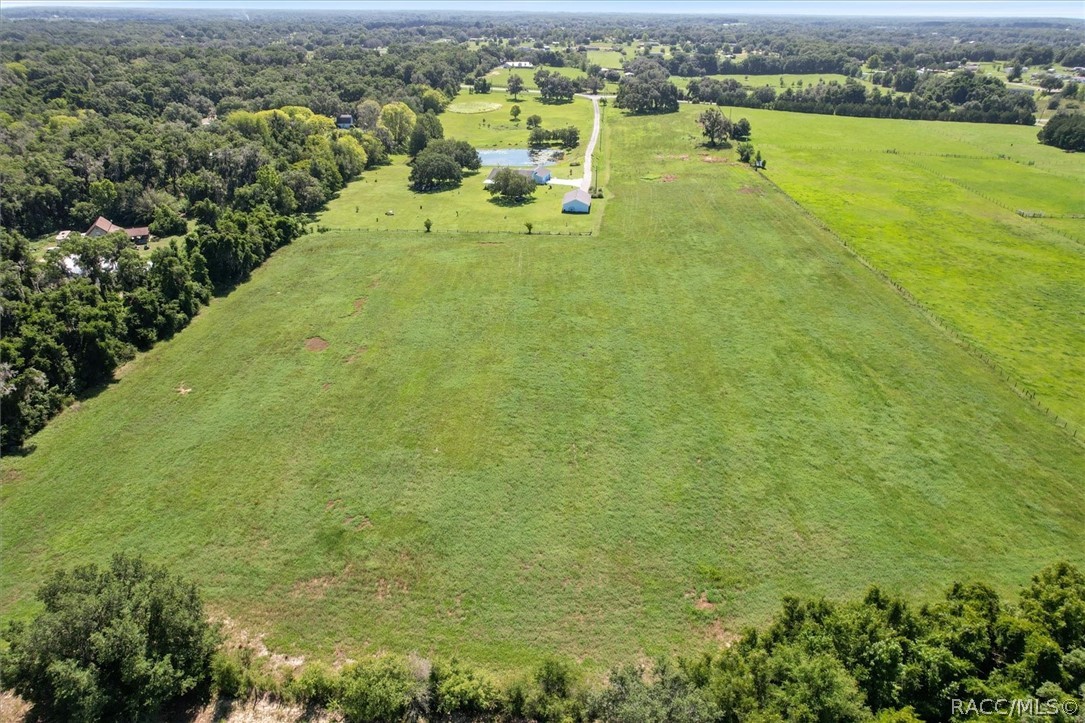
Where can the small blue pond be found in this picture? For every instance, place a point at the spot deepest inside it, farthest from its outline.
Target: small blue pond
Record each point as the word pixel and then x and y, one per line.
pixel 516 157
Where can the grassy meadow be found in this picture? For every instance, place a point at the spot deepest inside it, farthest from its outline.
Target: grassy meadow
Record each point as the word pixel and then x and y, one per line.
pixel 789 80
pixel 935 206
pixel 498 446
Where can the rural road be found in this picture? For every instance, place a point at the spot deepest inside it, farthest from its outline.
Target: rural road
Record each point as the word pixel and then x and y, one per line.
pixel 584 183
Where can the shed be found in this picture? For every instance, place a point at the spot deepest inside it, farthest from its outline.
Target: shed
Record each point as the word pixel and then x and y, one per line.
pixel 541 174
pixel 345 121
pixel 576 201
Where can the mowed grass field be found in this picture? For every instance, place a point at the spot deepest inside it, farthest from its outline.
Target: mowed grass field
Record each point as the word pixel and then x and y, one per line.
pixel 500 446
pixel 935 206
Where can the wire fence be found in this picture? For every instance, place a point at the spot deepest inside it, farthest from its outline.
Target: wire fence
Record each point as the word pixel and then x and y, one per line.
pixel 951 332
pixel 437 231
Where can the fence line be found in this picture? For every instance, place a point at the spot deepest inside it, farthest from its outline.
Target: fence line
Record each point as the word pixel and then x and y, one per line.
pixel 940 324
pixel 328 229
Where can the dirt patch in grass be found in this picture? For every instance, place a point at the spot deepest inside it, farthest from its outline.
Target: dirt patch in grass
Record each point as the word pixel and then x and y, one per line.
pixel 703 603
pixel 473 107
pixel 357 353
pixel 183 390
pixel 359 304
pixel 315 343
pixel 326 386
pixel 751 191
pixel 332 503
pixel 669 178
pixel 719 633
pixel 358 522
pixel 713 159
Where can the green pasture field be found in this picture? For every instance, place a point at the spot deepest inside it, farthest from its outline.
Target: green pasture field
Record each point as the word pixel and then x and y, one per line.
pixel 500 76
pixel 497 446
pixel 607 58
pixel 938 213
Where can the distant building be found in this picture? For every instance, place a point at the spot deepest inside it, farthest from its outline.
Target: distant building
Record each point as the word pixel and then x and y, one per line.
pixel 344 122
pixel 518 64
pixel 576 201
pixel 103 226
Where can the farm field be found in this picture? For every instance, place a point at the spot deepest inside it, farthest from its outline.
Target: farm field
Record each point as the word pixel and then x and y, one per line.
pixel 602 447
pixel 934 205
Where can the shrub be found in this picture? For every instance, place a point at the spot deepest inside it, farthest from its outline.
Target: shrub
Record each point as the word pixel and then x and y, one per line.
pixel 316 685
pixel 110 644
pixel 376 690
pixel 167 222
pixel 459 692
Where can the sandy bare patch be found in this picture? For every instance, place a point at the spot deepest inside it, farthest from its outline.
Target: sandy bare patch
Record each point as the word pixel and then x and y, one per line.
pixel 183 390
pixel 358 522
pixel 261 710
pixel 315 343
pixel 703 603
pixel 669 178
pixel 713 159
pixel 359 304
pixel 331 504
pixel 717 632
pixel 357 353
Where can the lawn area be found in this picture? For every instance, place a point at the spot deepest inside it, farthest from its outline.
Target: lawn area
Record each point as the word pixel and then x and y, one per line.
pixel 938 214
pixel 496 129
pixel 362 205
pixel 500 446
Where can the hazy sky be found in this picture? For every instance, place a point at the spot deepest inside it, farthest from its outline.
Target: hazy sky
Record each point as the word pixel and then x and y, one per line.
pixel 913 8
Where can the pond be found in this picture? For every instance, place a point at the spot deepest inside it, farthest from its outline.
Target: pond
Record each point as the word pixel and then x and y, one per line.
pixel 519 157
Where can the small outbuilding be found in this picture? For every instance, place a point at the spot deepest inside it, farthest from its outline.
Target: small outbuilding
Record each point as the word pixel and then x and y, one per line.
pixel 576 201
pixel 344 122
pixel 541 175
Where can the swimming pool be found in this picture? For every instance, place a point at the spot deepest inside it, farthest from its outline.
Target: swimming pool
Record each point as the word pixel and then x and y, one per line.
pixel 516 157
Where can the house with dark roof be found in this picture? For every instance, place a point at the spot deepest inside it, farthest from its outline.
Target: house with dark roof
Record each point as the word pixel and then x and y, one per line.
pixel 576 201
pixel 344 122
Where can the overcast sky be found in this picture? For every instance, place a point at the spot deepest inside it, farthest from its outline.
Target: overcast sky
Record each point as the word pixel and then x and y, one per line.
pixel 876 8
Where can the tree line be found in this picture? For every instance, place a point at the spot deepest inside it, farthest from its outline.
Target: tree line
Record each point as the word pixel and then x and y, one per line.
pixel 120 643
pixel 960 96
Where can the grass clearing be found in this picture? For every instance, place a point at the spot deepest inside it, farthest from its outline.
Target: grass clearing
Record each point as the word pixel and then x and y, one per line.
pixel 938 214
pixel 516 445
pixel 789 80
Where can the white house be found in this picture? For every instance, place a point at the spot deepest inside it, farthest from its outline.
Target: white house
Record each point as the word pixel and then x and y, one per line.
pixel 519 64
pixel 576 201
